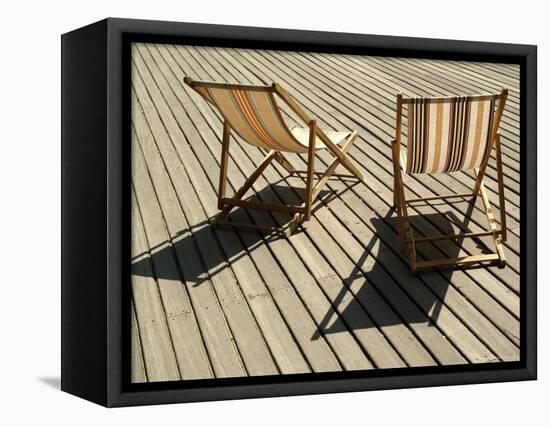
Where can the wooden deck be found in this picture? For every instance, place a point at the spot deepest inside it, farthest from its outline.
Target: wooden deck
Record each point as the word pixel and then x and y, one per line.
pixel 338 294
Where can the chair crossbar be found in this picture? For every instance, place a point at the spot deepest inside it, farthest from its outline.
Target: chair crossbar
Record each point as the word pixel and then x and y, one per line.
pixel 317 173
pixel 440 197
pixel 452 236
pixel 263 206
pixel 454 261
pixel 249 227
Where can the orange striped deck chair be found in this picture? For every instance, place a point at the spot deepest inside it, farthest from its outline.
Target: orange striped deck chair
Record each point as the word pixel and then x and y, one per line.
pixel 252 113
pixel 444 135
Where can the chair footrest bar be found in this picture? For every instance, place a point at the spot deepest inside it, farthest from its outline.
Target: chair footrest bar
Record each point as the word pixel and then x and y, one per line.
pixel 263 206
pixel 456 261
pixel 343 175
pixel 453 236
pixel 440 197
pixel 250 227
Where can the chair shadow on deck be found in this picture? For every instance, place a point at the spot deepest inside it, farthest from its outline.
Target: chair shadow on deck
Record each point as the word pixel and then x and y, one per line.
pixel 381 281
pixel 194 255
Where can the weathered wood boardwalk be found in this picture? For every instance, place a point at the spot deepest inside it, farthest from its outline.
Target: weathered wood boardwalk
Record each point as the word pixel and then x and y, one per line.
pixel 338 294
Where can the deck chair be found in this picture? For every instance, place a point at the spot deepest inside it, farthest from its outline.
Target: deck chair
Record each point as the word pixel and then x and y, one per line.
pixel 445 135
pixel 253 114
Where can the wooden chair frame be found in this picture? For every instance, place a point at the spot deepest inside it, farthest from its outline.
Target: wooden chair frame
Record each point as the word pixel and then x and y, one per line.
pixel 304 210
pixel 401 203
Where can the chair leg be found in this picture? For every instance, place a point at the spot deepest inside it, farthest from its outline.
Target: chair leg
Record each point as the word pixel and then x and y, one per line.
pixel 394 194
pixel 407 228
pixel 398 202
pixel 324 177
pixel 501 199
pixel 396 169
pixel 312 191
pixel 226 208
pixel 404 225
pixel 310 169
pixel 497 239
pixel 223 163
pixel 400 220
pixel 402 211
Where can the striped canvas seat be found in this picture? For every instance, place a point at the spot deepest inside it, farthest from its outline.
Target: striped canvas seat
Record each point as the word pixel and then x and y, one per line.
pixel 448 134
pixel 253 113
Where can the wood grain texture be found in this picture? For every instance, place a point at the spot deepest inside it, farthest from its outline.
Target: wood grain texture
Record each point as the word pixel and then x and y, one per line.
pixel 337 294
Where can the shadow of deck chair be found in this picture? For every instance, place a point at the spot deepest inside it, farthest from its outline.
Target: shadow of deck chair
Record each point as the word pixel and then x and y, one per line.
pixel 253 114
pixel 447 135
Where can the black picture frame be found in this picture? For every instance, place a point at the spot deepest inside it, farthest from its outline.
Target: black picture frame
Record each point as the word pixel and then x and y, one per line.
pixel 96 225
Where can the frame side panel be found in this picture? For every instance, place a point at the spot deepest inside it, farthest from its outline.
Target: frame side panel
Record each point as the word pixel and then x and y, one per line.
pixel 118 204
pixel 83 212
pixel 528 157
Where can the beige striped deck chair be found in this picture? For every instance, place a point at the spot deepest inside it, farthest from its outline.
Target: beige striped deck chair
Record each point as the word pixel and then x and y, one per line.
pixel 253 114
pixel 445 135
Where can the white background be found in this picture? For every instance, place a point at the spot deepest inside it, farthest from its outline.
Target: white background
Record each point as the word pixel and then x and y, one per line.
pixel 30 211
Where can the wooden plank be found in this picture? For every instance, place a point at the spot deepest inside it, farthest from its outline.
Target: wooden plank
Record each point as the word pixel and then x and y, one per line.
pixel 428 61
pixel 256 62
pixel 223 354
pixel 508 127
pixel 445 76
pixel 239 161
pixel 483 219
pixel 328 221
pixel 349 353
pixel 476 78
pixel 383 79
pixel 318 354
pixel 479 217
pixel 456 276
pixel 359 69
pixel 388 100
pixel 511 163
pixel 478 74
pixel 336 285
pixel 257 355
pixel 280 341
pixel 416 81
pixel 382 353
pixel 437 282
pixel 380 84
pixel 138 373
pixel 158 352
pixel 510 71
pixel 180 312
pixel 433 304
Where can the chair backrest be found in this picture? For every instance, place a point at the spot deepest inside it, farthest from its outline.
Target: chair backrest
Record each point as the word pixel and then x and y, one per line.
pixel 252 112
pixel 451 133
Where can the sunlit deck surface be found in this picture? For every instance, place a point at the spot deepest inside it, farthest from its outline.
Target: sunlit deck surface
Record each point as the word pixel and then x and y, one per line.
pixel 338 294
